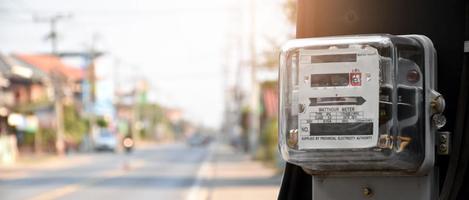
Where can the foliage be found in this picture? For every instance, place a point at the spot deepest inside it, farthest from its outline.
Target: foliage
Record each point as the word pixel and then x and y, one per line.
pixel 101 122
pixel 269 84
pixel 269 137
pixel 75 126
pixel 48 137
pixel 150 114
pixel 28 138
pixel 30 107
pixel 245 114
pixel 269 57
pixel 268 147
pixel 290 10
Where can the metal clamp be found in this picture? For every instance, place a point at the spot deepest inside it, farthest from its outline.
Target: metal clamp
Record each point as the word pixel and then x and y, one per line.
pixel 443 142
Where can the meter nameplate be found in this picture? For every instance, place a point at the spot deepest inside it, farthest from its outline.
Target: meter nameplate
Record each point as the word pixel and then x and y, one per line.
pixel 339 89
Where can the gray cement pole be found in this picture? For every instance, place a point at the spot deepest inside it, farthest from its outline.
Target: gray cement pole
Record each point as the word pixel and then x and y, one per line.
pixel 254 101
pixel 57 83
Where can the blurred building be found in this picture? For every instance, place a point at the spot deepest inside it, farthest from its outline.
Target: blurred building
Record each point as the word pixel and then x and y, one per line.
pixel 27 94
pixel 56 72
pixel 269 102
pixel 71 77
pixel 24 91
pixel 174 115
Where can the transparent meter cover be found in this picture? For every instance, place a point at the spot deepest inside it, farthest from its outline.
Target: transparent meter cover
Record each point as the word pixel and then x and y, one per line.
pixel 357 103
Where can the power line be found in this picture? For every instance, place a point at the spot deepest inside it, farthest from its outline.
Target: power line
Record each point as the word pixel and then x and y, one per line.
pixel 113 13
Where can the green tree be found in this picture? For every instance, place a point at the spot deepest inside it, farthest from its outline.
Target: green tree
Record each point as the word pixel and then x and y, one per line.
pixel 269 139
pixel 75 126
pixel 269 58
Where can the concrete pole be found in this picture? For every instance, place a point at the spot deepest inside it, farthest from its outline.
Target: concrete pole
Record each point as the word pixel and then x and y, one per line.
pixel 254 101
pixel 57 84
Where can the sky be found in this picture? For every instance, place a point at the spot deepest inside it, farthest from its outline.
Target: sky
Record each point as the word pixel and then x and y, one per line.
pixel 187 50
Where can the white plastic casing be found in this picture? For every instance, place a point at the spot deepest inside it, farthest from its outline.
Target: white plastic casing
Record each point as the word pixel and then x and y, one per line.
pixel 357 104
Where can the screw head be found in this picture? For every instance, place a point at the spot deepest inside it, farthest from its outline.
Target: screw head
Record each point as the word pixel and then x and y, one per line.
pixel 292 140
pixel 443 138
pixel 439 120
pixel 367 192
pixel 443 147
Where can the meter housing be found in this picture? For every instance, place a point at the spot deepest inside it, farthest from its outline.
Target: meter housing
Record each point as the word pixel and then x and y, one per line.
pixel 358 104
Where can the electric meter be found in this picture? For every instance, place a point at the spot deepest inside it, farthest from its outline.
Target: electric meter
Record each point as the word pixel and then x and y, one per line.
pixel 359 104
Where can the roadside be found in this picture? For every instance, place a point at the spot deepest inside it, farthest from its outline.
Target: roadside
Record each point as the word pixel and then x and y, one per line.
pixel 228 174
pixel 27 164
pixel 163 171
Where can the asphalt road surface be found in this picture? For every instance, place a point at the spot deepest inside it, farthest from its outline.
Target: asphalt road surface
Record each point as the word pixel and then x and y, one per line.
pixel 157 172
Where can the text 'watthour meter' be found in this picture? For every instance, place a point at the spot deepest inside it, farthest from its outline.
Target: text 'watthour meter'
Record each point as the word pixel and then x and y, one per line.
pixel 359 104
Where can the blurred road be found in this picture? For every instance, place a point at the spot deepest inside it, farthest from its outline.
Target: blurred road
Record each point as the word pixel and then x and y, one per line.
pixel 170 171
pixel 156 172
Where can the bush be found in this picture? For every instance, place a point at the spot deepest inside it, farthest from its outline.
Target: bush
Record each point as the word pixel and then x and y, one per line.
pixel 268 151
pixel 47 137
pixel 75 126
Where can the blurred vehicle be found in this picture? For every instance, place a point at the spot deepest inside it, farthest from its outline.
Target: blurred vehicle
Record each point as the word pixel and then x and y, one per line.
pixel 105 140
pixel 128 144
pixel 198 140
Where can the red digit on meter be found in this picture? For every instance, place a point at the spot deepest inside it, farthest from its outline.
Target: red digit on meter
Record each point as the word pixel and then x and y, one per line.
pixel 356 79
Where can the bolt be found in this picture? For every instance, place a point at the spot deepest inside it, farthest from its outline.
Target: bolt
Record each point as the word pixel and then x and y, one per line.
pixel 438 104
pixel 367 192
pixel 439 120
pixel 443 147
pixel 443 138
pixel 293 138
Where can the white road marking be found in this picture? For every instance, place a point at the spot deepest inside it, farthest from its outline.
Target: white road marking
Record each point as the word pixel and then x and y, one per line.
pixel 197 192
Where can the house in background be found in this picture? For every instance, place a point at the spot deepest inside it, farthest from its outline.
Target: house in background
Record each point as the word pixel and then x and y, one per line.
pixel 26 84
pixel 70 77
pixel 66 85
pixel 24 90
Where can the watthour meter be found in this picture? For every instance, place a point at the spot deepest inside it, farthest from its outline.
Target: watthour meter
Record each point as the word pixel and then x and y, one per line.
pixel 359 104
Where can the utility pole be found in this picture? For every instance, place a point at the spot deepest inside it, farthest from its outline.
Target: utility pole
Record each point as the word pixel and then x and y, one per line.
pixel 89 55
pixel 254 101
pixel 53 35
pixel 134 132
pixel 227 110
pixel 331 18
pixel 116 78
pixel 139 88
pixel 91 76
pixel 57 81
